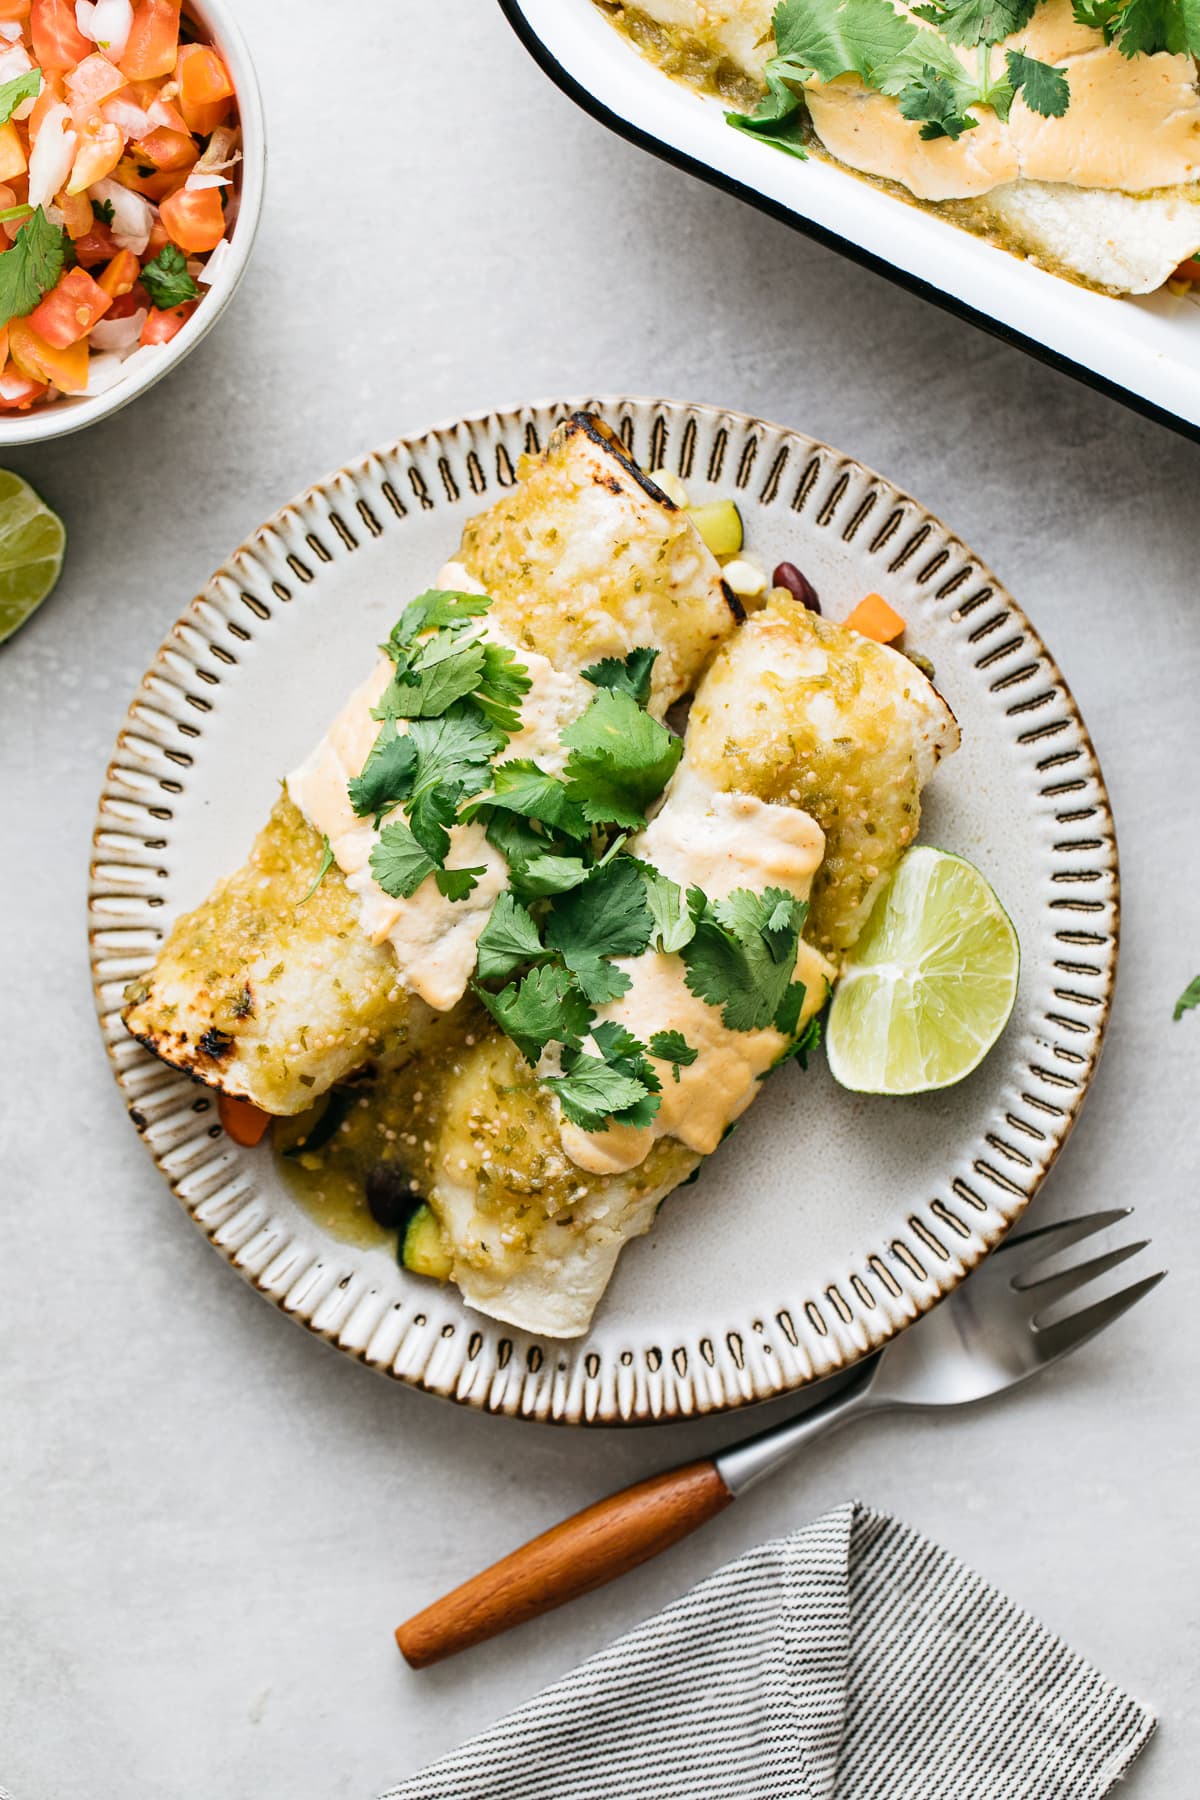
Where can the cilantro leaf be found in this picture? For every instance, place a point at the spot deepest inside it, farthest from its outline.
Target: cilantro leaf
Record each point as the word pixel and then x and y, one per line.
pixel 932 99
pixel 434 610
pixel 621 759
pixel 517 840
pixel 454 751
pixel 399 862
pixel 509 939
pixel 386 776
pixel 326 864
pixel 861 37
pixel 630 675
pixel 503 684
pixel 540 876
pixel 545 1007
pixel 22 87
pixel 31 266
pixel 457 883
pixel 803 1047
pixel 1045 90
pixel 605 916
pixel 618 1084
pixel 166 278
pixel 743 956
pixel 777 118
pixel 1148 26
pixel 971 22
pixel 431 813
pixel 103 210
pixel 674 921
pixel 440 672
pixel 673 1047
pixel 1189 998
pixel 592 1091
pixel 520 786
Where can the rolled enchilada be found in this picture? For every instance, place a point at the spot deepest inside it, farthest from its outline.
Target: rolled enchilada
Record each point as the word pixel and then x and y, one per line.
pixel 806 753
pixel 287 980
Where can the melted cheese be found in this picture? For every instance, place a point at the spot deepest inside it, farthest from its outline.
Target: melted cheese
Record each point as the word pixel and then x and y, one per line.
pixel 1133 124
pixel 434 938
pixel 717 841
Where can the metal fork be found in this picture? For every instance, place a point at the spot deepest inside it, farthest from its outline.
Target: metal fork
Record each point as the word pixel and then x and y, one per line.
pixel 987 1335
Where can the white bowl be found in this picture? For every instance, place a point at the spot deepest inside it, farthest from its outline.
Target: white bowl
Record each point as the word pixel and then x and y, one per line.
pixel 217 21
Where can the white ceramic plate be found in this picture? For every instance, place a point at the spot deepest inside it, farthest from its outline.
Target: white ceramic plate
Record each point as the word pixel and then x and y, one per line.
pixel 830 1220
pixel 1144 351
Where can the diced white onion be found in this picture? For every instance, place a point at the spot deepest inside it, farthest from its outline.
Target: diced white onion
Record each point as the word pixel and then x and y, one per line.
pixel 10 29
pixel 216 262
pixel 220 153
pixel 107 22
pixel 119 335
pixel 127 117
pixel 196 181
pixel 133 216
pixel 104 371
pixel 14 62
pixel 51 158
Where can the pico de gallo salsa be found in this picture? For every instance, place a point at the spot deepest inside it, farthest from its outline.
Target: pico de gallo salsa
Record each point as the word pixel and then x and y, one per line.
pixel 119 142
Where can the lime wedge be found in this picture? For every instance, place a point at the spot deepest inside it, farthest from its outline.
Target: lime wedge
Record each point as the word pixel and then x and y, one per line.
pixel 32 541
pixel 930 984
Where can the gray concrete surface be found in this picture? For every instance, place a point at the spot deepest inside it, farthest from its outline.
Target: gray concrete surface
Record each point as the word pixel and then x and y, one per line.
pixel 209 1523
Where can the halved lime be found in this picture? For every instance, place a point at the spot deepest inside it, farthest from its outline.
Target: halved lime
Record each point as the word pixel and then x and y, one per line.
pixel 930 984
pixel 32 541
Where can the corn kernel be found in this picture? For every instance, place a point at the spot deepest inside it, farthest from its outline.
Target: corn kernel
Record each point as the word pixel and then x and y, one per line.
pixel 670 484
pixel 744 578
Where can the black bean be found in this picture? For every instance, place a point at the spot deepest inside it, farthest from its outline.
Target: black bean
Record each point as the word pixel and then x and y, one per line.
pixel 788 576
pixel 389 1196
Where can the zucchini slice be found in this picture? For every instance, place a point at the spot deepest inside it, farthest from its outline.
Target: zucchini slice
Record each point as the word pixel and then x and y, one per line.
pixel 423 1249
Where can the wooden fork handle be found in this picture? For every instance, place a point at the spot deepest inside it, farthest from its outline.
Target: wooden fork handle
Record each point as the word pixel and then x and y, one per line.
pixel 595 1546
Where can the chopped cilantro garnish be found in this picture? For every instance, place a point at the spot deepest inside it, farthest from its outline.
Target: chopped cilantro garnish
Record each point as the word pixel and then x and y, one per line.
pixel 673 1047
pixel 970 22
pixel 630 675
pixel 932 99
pixel 434 610
pixel 452 760
pixel 323 869
pixel 1044 89
pixel 387 774
pixel 605 916
pixel 743 956
pixel 166 278
pixel 503 685
pixel 31 266
pixel 520 786
pixel 1144 27
pixel 509 939
pixel 618 1084
pixel 674 920
pixel 621 759
pixel 399 863
pixel 103 210
pixel 456 884
pixel 543 874
pixel 544 1007
pixel 22 87
pixel 1189 998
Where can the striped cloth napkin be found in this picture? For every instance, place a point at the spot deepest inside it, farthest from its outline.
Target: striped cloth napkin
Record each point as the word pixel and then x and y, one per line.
pixel 853 1660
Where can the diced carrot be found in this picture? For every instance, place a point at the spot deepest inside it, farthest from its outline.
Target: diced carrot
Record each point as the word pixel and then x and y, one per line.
pixel 244 1122
pixel 66 368
pixel 1189 270
pixel 874 618
pixel 77 215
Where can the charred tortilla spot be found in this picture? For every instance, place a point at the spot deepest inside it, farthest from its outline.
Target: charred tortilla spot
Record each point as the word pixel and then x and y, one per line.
pixel 733 603
pixel 215 1043
pixel 606 438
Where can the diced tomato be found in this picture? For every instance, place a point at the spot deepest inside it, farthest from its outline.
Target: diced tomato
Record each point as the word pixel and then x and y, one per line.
pixel 120 274
pixel 194 219
pixel 161 327
pixel 58 42
pixel 77 214
pixel 95 79
pixel 66 369
pixel 125 305
pixel 1189 270
pixel 166 149
pixel 201 75
pixel 11 11
pixel 52 95
pixel 101 147
pixel 18 390
pixel 96 246
pixel 68 311
pixel 158 240
pixel 155 186
pixel 244 1122
pixel 12 152
pixel 152 46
